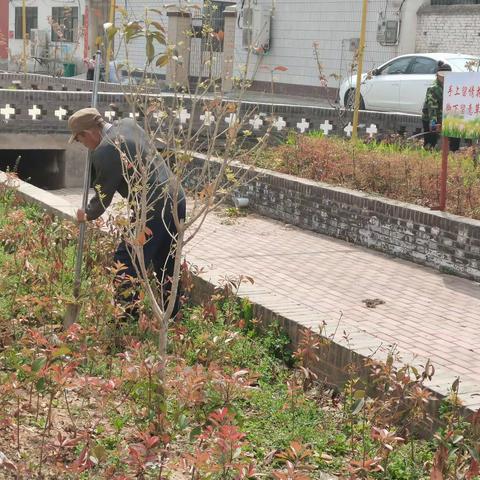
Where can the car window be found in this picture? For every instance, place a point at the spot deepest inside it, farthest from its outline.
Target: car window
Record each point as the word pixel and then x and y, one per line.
pixel 396 67
pixel 423 65
pixel 467 64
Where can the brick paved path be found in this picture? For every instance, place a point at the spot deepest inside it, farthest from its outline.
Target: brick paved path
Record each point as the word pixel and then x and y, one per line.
pixel 311 278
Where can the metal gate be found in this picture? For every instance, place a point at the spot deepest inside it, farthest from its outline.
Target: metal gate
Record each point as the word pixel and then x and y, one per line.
pixel 206 53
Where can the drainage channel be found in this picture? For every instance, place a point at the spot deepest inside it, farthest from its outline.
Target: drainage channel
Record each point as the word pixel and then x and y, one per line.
pixel 43 168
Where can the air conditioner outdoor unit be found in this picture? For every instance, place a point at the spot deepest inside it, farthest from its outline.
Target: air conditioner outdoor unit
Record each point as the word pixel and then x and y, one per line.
pixel 256 27
pixel 388 29
pixel 38 42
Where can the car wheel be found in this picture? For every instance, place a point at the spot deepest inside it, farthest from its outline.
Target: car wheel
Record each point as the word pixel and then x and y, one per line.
pixel 349 100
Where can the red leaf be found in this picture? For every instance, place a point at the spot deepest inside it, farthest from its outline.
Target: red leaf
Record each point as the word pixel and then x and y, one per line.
pixel 473 471
pixel 439 461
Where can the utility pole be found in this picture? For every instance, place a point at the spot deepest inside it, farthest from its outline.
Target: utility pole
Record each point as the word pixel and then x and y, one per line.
pixel 361 51
pixel 24 35
pixel 109 42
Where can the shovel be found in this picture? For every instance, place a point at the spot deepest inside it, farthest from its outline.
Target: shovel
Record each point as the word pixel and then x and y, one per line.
pixel 73 308
pixel 418 135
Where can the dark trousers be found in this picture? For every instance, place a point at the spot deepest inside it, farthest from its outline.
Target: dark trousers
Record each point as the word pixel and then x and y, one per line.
pixel 159 253
pixel 430 139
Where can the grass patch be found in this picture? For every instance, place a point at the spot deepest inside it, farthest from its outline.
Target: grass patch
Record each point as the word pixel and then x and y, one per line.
pixel 458 127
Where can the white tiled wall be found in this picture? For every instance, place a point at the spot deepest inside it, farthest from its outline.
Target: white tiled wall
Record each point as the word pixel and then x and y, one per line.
pixel 298 24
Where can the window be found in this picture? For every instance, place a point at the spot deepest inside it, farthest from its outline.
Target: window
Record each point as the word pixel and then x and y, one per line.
pixel 64 23
pixel 397 67
pixel 32 20
pixel 423 66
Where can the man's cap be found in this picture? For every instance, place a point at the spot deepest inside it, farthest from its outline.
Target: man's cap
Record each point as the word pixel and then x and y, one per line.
pixel 443 67
pixel 82 120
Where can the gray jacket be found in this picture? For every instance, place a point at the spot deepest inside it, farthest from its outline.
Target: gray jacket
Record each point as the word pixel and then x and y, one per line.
pixel 110 178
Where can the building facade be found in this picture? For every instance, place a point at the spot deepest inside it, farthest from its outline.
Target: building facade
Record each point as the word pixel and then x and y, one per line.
pixel 316 41
pixel 309 40
pixel 55 35
pixel 300 45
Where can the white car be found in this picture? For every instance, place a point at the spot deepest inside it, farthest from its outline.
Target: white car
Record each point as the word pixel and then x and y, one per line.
pixel 400 84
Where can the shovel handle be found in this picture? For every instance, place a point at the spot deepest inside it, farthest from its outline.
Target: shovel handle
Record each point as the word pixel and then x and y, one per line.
pixel 86 187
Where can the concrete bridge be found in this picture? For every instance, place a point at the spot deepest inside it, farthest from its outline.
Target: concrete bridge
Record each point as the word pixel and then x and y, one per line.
pixel 34 110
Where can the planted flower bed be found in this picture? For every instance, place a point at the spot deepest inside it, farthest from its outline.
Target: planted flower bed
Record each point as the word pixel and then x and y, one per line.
pixel 236 404
pixel 392 169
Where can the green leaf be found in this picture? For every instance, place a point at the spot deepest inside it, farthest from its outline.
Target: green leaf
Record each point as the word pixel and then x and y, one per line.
pixel 118 423
pixel 150 50
pixel 134 37
pixel 156 10
pixel 40 385
pixel 195 432
pixel 230 175
pixel 162 60
pixel 247 310
pixel 453 452
pixel 159 37
pixel 61 351
pixel 359 394
pixel 182 422
pixel 38 364
pixel 111 31
pixel 99 453
pixel 358 405
pixel 389 361
pixel 158 26
pixel 132 31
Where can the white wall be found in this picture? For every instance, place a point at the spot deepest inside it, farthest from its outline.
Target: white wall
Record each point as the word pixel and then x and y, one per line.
pixel 136 48
pixel 298 24
pixel 409 25
pixel 136 11
pixel 44 11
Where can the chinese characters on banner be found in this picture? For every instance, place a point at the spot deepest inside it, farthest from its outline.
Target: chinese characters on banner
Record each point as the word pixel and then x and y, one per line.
pixel 461 105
